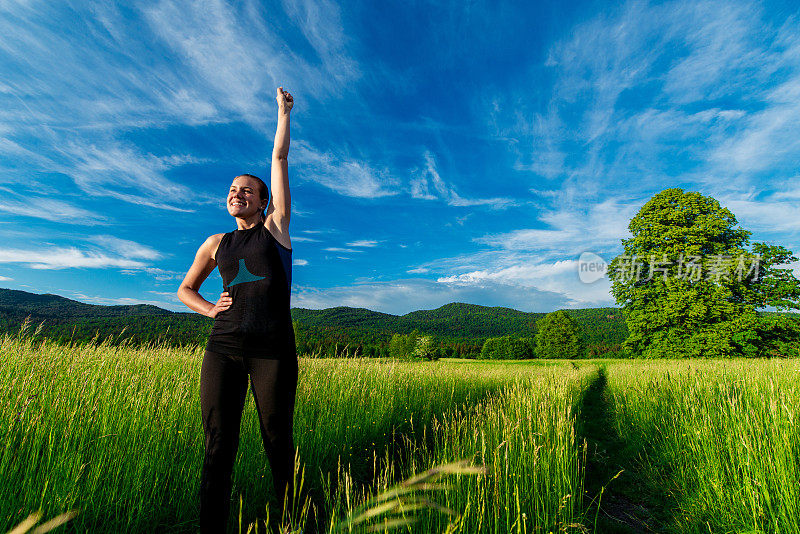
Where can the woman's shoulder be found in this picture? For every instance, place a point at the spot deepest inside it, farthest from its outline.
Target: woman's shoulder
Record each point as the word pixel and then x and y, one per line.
pixel 214 239
pixel 212 244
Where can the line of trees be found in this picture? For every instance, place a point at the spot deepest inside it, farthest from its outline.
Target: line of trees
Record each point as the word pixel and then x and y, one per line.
pixel 557 336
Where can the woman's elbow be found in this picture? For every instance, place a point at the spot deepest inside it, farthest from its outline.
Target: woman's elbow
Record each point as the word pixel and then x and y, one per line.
pixel 182 292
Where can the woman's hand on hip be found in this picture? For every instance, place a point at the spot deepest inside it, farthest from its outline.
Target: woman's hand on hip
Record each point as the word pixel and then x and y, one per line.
pixel 222 304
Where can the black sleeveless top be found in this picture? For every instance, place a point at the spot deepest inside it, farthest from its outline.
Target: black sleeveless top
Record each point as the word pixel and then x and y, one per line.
pixel 256 272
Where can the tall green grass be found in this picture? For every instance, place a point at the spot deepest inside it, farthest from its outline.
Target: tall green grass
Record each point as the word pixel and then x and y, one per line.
pixel 115 433
pixel 524 437
pixel 720 439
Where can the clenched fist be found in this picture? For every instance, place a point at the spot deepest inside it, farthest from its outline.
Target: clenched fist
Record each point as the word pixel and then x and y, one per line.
pixel 285 100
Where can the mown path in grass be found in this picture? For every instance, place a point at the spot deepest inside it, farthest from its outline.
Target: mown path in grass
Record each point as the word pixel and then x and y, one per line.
pixel 619 500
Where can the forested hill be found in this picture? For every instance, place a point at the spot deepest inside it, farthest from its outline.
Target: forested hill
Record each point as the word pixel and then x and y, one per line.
pixel 64 318
pixel 460 320
pixel 14 303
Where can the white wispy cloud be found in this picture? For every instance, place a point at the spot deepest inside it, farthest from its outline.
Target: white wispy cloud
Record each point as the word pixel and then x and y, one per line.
pixel 701 95
pixel 427 184
pixel 363 243
pixel 341 249
pixel 237 53
pixel 769 137
pixel 121 172
pixel 300 263
pixel 114 301
pixel 766 215
pixel 49 209
pixel 572 229
pixel 107 252
pixel 666 56
pixel 233 66
pixel 527 275
pixel 341 174
pixel 321 23
pixel 125 247
pixel 163 274
pixel 65 257
pixel 110 71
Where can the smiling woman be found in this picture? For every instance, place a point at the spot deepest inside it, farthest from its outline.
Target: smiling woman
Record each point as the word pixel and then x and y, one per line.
pixel 252 336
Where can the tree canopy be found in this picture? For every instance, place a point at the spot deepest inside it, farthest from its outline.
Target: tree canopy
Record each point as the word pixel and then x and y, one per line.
pixel 558 336
pixel 690 284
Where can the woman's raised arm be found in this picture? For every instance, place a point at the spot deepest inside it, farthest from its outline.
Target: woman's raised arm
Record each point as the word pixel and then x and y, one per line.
pixel 281 199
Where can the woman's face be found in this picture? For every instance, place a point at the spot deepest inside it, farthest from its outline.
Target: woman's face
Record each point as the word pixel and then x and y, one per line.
pixel 244 198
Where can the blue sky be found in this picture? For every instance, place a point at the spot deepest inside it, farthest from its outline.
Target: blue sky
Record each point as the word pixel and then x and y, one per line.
pixel 440 151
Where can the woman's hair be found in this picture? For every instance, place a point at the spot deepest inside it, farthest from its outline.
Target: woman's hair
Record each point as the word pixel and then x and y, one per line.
pixel 264 190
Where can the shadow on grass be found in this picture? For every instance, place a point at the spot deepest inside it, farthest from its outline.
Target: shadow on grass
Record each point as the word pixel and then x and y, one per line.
pixel 620 500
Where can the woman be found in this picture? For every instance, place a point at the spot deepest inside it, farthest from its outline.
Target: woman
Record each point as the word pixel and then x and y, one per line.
pixel 252 333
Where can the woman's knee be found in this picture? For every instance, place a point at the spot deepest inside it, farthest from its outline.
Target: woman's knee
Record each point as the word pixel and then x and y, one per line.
pixel 220 448
pixel 277 429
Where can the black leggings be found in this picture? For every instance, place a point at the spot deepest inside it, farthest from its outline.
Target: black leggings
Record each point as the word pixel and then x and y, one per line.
pixel 223 386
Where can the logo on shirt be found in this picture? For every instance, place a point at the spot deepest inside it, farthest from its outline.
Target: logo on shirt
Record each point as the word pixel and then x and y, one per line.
pixel 244 275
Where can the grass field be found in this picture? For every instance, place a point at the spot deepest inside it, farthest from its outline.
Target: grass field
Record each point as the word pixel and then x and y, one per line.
pixel 717 443
pixel 596 446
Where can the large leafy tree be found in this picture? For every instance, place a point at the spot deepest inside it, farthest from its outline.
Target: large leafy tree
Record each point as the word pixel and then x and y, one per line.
pixel 690 284
pixel 559 336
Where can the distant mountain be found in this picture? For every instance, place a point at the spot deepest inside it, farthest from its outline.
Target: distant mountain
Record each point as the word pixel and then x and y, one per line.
pixel 65 319
pixel 456 319
pixel 472 320
pixel 464 321
pixel 457 327
pixel 345 316
pixel 47 306
pixel 453 323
